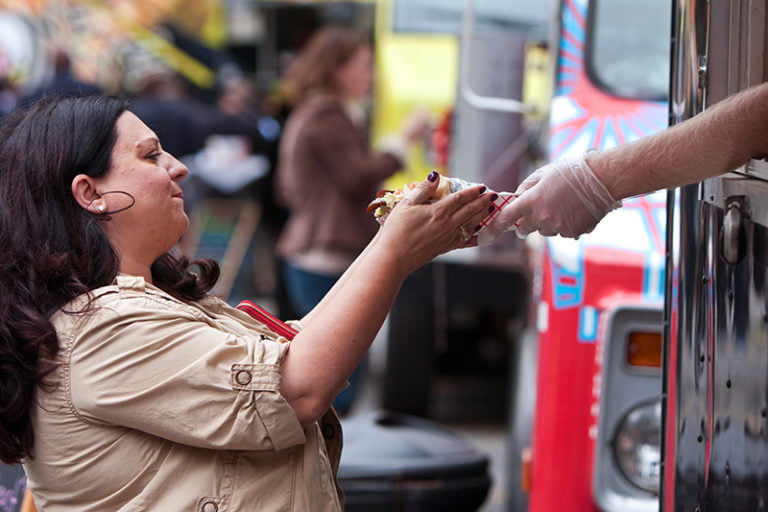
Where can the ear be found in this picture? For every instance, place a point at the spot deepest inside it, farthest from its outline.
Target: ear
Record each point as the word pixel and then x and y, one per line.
pixel 84 192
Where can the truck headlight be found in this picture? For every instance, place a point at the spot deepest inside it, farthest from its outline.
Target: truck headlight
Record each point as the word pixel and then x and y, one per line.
pixel 637 446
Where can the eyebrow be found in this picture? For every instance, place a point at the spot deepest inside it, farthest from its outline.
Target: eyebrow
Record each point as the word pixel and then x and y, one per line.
pixel 146 141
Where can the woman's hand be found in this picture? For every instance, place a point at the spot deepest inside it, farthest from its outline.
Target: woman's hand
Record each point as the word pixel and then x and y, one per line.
pixel 416 231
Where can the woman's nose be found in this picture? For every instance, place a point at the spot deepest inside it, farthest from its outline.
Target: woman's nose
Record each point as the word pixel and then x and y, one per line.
pixel 177 169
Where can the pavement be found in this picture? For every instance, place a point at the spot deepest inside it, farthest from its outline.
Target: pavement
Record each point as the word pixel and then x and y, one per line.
pixel 491 439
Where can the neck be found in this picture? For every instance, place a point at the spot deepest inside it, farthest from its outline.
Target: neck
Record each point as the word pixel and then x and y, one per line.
pixel 135 268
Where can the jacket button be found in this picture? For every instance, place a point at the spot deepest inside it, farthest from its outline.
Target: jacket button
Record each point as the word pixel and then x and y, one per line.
pixel 243 377
pixel 328 431
pixel 209 506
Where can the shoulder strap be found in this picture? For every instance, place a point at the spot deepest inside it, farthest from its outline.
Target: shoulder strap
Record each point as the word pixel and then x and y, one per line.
pixel 262 315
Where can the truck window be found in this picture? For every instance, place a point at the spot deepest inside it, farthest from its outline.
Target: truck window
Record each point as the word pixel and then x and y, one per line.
pixel 444 16
pixel 628 45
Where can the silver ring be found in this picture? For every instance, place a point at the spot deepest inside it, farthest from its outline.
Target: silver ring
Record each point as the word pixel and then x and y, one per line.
pixel 464 235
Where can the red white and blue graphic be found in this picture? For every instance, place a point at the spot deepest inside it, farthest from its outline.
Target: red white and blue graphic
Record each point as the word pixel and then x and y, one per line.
pixel 582 281
pixel 583 117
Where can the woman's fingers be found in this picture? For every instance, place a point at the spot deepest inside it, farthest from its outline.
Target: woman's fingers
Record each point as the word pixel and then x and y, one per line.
pixel 466 204
pixel 443 225
pixel 424 190
pixel 462 211
pixel 467 210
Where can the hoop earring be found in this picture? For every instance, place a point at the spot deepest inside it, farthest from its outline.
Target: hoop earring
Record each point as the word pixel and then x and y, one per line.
pixel 102 208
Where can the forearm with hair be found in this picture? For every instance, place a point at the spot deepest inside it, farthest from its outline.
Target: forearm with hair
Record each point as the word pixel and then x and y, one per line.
pixel 716 141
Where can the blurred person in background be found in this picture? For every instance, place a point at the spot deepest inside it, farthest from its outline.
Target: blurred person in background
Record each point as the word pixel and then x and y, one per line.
pixel 231 151
pixel 327 171
pixel 163 101
pixel 127 385
pixel 63 83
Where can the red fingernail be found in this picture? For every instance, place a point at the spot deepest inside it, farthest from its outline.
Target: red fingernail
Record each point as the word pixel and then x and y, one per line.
pixel 482 190
pixel 494 197
pixel 491 208
pixel 432 176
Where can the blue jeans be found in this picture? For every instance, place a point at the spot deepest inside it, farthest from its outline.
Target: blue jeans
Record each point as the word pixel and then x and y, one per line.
pixel 305 289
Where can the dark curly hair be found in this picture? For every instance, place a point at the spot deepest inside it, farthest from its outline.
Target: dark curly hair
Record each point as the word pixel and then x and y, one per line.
pixel 52 250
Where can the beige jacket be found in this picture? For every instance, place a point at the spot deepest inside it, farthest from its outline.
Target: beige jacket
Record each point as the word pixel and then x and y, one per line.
pixel 169 406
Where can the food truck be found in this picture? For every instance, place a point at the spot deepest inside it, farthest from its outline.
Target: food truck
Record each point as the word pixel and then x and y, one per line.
pixel 677 417
pixel 639 382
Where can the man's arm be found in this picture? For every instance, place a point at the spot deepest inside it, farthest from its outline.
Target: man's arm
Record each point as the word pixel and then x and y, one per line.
pixel 718 140
pixel 569 197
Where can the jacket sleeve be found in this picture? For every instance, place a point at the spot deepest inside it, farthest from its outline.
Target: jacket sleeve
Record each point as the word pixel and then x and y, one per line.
pixel 148 364
pixel 344 153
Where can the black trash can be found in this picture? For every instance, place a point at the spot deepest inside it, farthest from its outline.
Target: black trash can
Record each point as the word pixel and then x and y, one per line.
pixel 394 462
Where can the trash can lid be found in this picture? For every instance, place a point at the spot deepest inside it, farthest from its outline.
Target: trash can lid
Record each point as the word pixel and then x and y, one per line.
pixel 386 444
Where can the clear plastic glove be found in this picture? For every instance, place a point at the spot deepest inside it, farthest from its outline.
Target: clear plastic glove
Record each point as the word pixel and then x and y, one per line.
pixel 563 197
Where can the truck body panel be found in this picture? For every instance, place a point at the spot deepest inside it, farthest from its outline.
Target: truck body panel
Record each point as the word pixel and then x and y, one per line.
pixel 587 282
pixel 715 444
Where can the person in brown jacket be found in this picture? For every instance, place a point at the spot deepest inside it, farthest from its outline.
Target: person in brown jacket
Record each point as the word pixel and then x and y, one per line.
pixel 124 383
pixel 327 172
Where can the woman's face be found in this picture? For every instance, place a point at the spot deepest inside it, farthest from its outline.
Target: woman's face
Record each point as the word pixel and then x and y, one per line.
pixel 354 77
pixel 155 222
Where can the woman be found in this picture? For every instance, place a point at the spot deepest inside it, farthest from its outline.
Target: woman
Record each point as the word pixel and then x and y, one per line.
pixel 124 385
pixel 327 172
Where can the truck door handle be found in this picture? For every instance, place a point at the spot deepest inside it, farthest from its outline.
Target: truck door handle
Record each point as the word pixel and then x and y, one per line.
pixel 734 232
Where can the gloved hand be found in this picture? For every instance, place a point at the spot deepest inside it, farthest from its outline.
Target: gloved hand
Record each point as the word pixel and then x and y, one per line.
pixel 563 197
